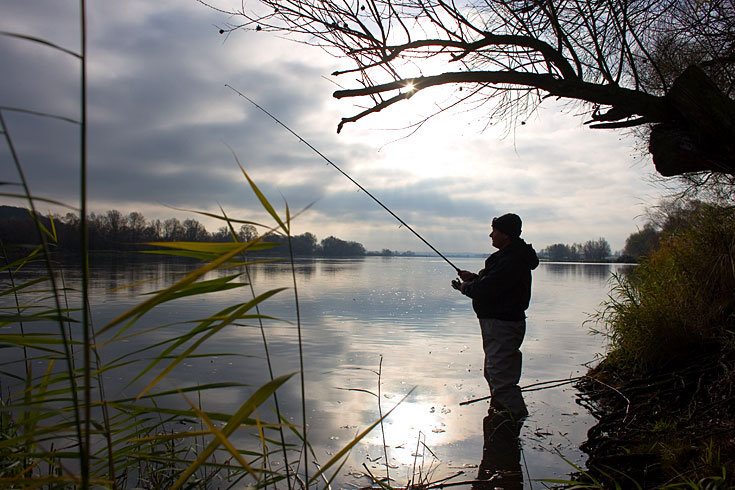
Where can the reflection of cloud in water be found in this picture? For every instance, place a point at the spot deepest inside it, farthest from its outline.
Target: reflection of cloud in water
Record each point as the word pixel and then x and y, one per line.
pixel 354 312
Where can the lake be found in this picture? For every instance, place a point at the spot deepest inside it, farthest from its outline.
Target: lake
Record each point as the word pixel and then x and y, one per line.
pixel 395 315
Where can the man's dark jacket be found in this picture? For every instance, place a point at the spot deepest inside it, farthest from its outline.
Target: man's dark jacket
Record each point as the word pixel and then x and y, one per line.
pixel 502 290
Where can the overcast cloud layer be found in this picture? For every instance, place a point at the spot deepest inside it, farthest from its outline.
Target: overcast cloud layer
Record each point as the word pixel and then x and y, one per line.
pixel 163 128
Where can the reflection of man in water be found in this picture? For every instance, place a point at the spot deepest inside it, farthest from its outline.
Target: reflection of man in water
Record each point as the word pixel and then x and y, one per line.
pixel 501 455
pixel 500 296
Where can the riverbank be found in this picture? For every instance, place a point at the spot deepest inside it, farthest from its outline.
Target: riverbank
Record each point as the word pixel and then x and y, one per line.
pixel 670 426
pixel 663 396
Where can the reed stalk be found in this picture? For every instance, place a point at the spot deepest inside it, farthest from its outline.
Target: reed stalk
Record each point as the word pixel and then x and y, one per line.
pixel 46 255
pixel 84 250
pixel 57 441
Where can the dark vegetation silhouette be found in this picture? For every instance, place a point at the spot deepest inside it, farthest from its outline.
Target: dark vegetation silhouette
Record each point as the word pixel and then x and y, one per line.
pixel 663 393
pixel 114 230
pixel 666 219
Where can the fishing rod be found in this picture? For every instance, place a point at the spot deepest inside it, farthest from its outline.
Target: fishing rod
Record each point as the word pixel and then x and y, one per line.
pixel 330 162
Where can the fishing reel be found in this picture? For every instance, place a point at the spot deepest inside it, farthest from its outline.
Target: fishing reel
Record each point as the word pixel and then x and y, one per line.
pixel 457 284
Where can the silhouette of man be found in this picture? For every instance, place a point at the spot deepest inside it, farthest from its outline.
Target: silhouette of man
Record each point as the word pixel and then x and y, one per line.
pixel 500 296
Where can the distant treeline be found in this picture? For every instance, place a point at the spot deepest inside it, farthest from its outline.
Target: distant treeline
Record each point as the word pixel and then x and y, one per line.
pixel 666 219
pixel 392 253
pixel 115 231
pixel 591 251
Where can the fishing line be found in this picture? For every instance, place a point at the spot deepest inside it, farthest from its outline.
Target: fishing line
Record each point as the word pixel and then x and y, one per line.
pixel 345 174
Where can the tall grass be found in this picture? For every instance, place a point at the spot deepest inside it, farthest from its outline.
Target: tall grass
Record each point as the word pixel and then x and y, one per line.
pixel 680 300
pixel 60 426
pixel 136 440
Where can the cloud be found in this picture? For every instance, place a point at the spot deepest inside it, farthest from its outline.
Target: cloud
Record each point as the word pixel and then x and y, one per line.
pixel 163 128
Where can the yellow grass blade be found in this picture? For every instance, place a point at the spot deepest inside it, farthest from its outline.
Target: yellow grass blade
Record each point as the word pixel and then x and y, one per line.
pixel 209 247
pixel 342 452
pixel 161 297
pixel 221 218
pixel 263 200
pixel 226 321
pixel 222 439
pixel 255 400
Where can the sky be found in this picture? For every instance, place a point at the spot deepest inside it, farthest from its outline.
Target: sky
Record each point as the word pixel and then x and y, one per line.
pixel 165 131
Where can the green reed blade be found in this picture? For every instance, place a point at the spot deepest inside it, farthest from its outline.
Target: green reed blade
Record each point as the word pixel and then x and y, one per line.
pixel 263 200
pixel 188 389
pixel 39 342
pixel 161 297
pixel 23 286
pixel 328 483
pixel 170 437
pixel 256 399
pixel 209 464
pixel 223 323
pixel 222 217
pixel 30 197
pixel 222 439
pixel 204 255
pixel 28 418
pixel 39 317
pixel 49 233
pixel 203 326
pixel 204 287
pixel 208 247
pixel 32 256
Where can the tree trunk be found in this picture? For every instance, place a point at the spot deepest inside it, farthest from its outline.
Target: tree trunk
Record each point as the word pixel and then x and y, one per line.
pixel 700 135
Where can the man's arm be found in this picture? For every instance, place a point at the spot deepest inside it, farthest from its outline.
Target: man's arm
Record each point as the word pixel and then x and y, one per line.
pixel 487 283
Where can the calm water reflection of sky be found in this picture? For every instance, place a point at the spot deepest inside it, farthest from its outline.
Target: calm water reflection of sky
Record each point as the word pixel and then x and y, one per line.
pixel 401 310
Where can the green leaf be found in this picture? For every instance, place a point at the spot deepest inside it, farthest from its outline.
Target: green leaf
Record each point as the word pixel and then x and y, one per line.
pixel 204 287
pixel 222 218
pixel 22 286
pixel 223 323
pixel 256 399
pixel 163 296
pixel 208 247
pixel 264 201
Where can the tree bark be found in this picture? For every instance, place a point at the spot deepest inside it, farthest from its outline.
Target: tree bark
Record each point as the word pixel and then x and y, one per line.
pixel 699 135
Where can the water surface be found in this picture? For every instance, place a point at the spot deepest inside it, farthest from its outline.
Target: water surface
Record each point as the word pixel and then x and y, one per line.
pixel 397 316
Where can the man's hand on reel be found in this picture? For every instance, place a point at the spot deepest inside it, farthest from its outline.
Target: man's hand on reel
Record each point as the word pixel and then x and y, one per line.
pixel 467 276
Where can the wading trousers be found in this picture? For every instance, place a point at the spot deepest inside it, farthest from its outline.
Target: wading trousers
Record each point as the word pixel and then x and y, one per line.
pixel 501 341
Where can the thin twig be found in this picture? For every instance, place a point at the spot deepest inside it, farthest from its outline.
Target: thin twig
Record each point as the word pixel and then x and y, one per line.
pixel 41 114
pixel 380 414
pixel 543 385
pixel 439 482
pixel 627 400
pixel 301 351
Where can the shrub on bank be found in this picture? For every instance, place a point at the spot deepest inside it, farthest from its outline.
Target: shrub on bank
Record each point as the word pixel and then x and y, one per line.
pixel 678 302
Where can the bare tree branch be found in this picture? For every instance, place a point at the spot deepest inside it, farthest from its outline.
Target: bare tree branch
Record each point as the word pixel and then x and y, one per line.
pixel 620 57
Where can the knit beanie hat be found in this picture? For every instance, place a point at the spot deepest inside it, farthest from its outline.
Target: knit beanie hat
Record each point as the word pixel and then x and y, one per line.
pixel 510 224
